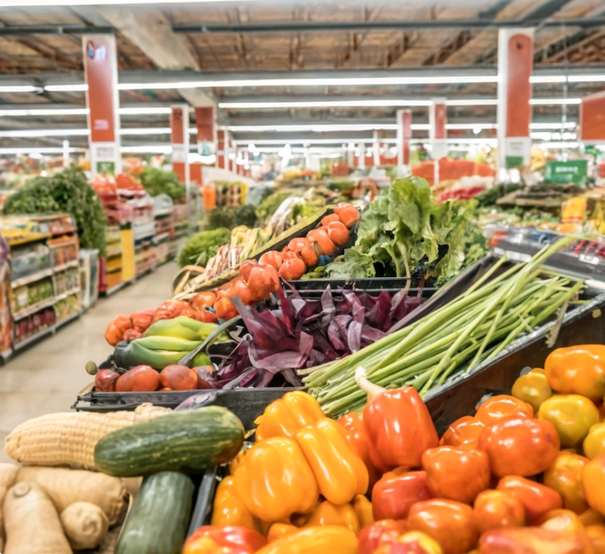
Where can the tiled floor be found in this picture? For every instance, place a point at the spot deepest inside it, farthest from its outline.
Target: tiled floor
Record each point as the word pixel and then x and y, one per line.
pixel 47 376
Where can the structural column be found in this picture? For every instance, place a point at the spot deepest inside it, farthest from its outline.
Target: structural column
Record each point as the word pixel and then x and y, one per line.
pixel 101 71
pixel 361 155
pixel 515 62
pixel 437 132
pixel 404 136
pixel 179 137
pixel 222 149
pixel 205 121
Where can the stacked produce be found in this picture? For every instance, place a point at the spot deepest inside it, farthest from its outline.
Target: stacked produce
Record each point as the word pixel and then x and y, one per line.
pixel 67 191
pixel 452 340
pixel 157 181
pixel 382 482
pixel 297 333
pixel 406 232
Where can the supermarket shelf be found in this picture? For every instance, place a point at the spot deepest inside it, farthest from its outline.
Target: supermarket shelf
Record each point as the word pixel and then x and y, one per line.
pixel 68 293
pixel 27 240
pixel 72 263
pixel 6 354
pixel 113 253
pixel 161 237
pixel 69 318
pixel 115 288
pixel 162 214
pixel 66 231
pixel 32 338
pixel 63 243
pixel 32 278
pixel 33 309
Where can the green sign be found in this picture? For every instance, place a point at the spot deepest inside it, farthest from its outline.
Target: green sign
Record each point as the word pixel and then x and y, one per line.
pixel 513 162
pixel 571 171
pixel 106 167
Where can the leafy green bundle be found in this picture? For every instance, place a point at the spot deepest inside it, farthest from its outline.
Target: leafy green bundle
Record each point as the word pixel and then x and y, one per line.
pixel 156 181
pixel 202 246
pixel 66 191
pixel 408 232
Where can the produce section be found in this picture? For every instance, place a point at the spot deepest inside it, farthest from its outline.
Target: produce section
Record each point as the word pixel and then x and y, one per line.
pixel 338 272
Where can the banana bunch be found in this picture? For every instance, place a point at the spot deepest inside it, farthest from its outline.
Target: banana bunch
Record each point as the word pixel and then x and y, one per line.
pixel 166 342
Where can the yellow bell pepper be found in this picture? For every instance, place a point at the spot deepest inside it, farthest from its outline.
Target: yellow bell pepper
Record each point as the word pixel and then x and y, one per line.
pixel 571 414
pixel 340 473
pixel 594 443
pixel 364 511
pixel 286 416
pixel 532 388
pixel 274 480
pixel 315 540
pixel 330 514
pixel 565 476
pixel 228 509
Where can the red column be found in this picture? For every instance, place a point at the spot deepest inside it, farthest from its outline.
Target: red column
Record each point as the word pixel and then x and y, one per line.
pixel 592 118
pixel 404 136
pixel 437 132
pixel 221 149
pixel 179 137
pixel 101 71
pixel 515 63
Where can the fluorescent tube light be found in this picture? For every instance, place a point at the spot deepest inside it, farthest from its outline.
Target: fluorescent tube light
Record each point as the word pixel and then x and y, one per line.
pixel 554 101
pixel 142 110
pixel 75 87
pixel 586 78
pixel 145 131
pixel 19 88
pixel 472 102
pixel 30 133
pixel 52 112
pixel 545 79
pixel 59 3
pixel 327 103
pixel 44 150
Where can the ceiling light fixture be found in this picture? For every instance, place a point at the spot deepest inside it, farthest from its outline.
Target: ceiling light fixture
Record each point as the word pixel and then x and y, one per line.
pixel 20 88
pixel 68 3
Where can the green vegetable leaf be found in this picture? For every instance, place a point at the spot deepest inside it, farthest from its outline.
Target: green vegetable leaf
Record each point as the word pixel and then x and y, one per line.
pixel 352 265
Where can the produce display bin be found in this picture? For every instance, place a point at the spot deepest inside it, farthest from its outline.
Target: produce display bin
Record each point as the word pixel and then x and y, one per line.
pixel 246 403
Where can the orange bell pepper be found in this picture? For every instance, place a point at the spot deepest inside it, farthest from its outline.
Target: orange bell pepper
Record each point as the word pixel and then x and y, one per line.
pixel 398 424
pixel 274 480
pixel 450 523
pixel 534 540
pixel 340 473
pixel 591 517
pixel 578 370
pixel 594 443
pixel 532 388
pixel 463 433
pixel 498 510
pixel 572 415
pixel 565 476
pixel 593 483
pixel 223 540
pixel 411 542
pixel 384 531
pixel 331 538
pixel 520 445
pixel 327 513
pixel 596 538
pixel 357 438
pixel 363 509
pixel 288 415
pixel 455 473
pixel 397 492
pixel 537 499
pixel 229 510
pixel 501 406
pixel 279 530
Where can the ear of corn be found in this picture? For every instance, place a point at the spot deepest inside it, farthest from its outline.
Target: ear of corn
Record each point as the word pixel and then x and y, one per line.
pixel 70 438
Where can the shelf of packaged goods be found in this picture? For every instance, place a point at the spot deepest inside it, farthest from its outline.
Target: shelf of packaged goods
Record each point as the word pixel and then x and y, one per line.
pixel 67 293
pixel 32 338
pixel 113 253
pixel 32 278
pixel 159 215
pixel 68 265
pixel 63 243
pixel 46 303
pixel 26 240
pixel 67 319
pixel 161 237
pixel 6 354
pixel 65 231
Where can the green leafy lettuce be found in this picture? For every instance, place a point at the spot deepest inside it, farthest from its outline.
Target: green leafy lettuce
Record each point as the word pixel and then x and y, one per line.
pixel 408 232
pixel 202 246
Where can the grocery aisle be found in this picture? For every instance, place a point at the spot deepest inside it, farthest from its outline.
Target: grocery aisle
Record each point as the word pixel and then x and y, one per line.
pixel 47 377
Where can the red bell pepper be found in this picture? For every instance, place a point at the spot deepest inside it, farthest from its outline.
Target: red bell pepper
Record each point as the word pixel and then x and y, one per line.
pixel 397 491
pixel 398 424
pixel 357 438
pixel 210 539
pixel 534 540
pixel 380 532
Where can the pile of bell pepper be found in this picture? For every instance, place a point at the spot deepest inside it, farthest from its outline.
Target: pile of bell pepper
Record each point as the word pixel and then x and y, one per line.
pixel 525 474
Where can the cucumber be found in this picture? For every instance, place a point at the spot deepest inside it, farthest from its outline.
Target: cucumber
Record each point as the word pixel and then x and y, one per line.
pixel 158 520
pixel 189 441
